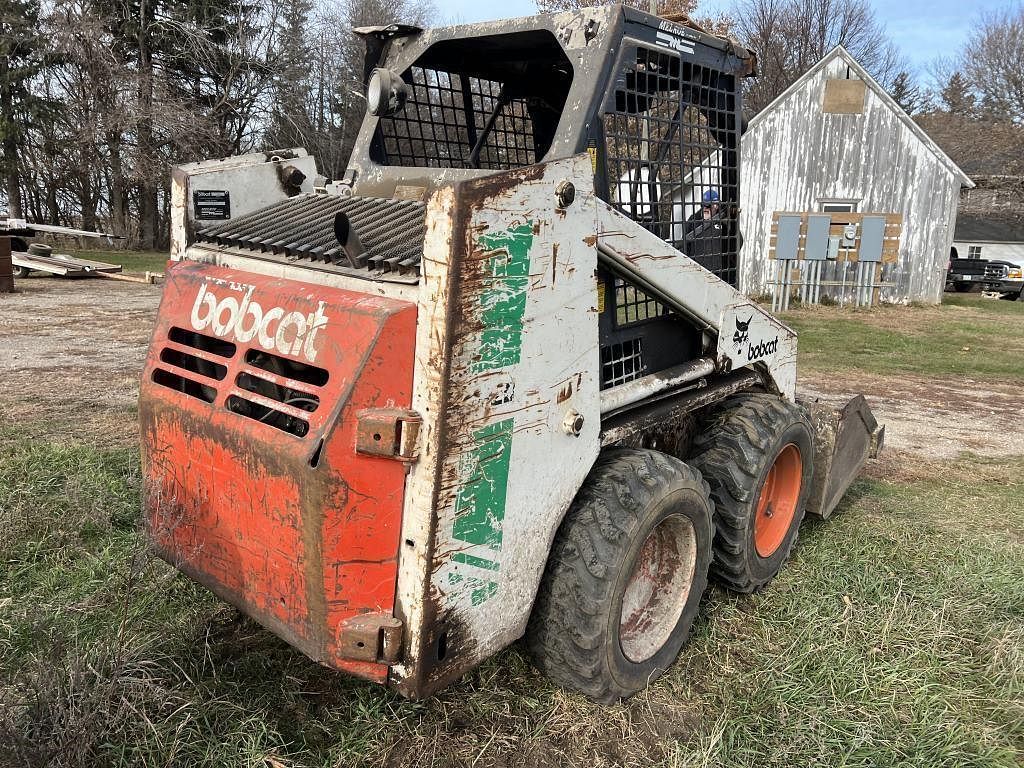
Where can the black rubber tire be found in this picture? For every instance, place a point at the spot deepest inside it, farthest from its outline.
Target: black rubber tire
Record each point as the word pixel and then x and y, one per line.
pixel 734 450
pixel 574 630
pixel 963 287
pixel 20 273
pixel 1020 296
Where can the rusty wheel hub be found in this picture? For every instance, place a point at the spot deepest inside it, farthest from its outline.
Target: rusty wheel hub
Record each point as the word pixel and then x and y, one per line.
pixel 658 588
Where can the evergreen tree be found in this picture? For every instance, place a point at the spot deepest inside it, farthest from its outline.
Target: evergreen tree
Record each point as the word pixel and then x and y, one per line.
pixel 291 123
pixel 906 93
pixel 957 97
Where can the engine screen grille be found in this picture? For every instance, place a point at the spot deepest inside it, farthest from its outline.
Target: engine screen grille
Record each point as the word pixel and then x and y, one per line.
pixel 302 229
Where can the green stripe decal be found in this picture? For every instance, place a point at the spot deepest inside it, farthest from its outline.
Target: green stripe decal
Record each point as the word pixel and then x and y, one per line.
pixel 503 298
pixel 479 562
pixel 480 504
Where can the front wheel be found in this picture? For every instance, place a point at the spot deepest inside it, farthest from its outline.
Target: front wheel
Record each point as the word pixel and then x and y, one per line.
pixel 625 575
pixel 20 273
pixel 756 451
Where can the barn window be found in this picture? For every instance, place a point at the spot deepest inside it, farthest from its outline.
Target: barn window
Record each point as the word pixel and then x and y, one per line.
pixel 974 252
pixel 838 206
pixel 844 97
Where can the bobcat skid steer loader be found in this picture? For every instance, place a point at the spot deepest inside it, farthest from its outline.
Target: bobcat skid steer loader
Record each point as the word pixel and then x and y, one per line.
pixel 498 379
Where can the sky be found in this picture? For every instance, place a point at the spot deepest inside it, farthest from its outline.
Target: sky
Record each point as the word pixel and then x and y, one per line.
pixel 922 29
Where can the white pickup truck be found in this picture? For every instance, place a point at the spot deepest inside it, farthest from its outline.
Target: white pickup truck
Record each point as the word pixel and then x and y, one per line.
pixel 1006 277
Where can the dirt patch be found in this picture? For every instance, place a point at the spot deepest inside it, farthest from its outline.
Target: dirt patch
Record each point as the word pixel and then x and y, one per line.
pixel 73 349
pixel 71 356
pixel 935 418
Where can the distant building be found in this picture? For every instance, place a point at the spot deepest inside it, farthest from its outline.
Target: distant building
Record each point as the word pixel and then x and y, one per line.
pixel 988 238
pixel 836 142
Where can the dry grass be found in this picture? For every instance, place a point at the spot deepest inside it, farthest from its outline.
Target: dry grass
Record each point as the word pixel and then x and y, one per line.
pixel 894 636
pixel 967 336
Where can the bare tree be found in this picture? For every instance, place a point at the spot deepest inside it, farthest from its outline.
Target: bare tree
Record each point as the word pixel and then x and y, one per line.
pixel 993 63
pixel 790 36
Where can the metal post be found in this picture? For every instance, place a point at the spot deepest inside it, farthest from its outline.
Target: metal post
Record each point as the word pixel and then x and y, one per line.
pixel 858 288
pixel 789 285
pixel 842 285
pixel 6 265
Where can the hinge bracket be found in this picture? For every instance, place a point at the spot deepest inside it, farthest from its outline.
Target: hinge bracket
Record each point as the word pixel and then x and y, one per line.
pixel 375 637
pixel 389 432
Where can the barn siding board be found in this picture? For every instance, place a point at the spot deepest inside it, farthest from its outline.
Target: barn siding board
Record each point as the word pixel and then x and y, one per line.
pixel 795 155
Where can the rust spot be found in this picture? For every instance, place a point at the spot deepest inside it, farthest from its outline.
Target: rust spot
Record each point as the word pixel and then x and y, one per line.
pixel 565 393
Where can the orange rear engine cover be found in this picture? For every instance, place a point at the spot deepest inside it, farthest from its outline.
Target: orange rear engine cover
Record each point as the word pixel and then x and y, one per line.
pixel 253 485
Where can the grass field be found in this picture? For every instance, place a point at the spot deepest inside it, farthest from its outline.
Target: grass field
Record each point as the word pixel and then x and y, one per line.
pixel 894 637
pixel 967 335
pixel 132 262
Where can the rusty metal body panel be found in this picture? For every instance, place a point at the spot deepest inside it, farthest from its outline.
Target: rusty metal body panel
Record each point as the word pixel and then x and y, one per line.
pixel 507 348
pixel 288 522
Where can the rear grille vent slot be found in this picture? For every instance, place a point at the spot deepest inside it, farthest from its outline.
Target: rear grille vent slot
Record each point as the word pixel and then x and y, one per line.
pixel 184 385
pixel 282 391
pixel 207 368
pixel 304 401
pixel 261 413
pixel 202 342
pixel 282 366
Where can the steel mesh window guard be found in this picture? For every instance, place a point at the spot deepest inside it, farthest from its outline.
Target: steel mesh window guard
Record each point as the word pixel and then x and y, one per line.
pixel 633 306
pixel 453 120
pixel 671 143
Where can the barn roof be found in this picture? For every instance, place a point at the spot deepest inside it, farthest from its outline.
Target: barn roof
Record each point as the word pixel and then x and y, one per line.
pixel 974 229
pixel 839 52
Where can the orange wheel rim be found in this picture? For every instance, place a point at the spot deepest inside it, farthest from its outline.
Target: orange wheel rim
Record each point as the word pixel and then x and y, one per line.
pixel 776 505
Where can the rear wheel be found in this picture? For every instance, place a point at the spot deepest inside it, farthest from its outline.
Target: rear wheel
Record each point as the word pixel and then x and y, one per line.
pixel 21 273
pixel 756 453
pixel 625 575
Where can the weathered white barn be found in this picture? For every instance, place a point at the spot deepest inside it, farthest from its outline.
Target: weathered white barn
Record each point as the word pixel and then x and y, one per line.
pixel 836 142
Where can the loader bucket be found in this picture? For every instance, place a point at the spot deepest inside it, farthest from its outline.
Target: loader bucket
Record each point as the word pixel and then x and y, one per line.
pixel 844 439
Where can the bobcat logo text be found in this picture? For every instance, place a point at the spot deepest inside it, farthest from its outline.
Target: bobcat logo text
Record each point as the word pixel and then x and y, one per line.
pixel 290 333
pixel 762 349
